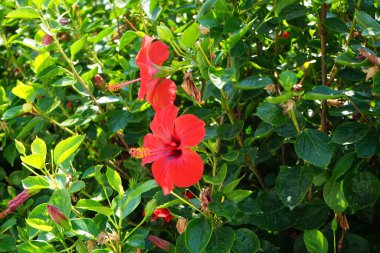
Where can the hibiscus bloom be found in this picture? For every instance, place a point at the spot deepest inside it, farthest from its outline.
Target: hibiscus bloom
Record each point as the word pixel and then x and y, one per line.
pixel 168 148
pixel 159 92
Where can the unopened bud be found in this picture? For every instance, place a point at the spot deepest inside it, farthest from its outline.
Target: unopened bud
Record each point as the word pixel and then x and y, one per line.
pixel 150 207
pixel 55 214
pixel 288 106
pixel 160 243
pixel 27 107
pixel 181 225
pixel 190 88
pixel 99 81
pixel 47 40
pixel 64 21
pixel 271 88
pixel 204 30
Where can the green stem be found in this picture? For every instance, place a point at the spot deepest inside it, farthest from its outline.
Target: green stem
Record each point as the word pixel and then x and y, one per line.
pixel 134 229
pixel 295 121
pixel 186 202
pixel 203 53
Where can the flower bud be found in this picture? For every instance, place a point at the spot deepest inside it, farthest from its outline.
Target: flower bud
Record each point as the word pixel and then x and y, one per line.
pixel 190 88
pixel 47 40
pixel 55 214
pixel 162 213
pixel 181 225
pixel 150 207
pixel 288 106
pixel 64 21
pixel 99 81
pixel 17 201
pixel 160 243
pixel 204 30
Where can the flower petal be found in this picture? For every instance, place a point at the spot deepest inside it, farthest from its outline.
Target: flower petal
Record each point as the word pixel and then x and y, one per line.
pixel 163 94
pixel 185 170
pixel 142 56
pixel 160 173
pixel 162 124
pixel 158 53
pixel 156 149
pixel 189 129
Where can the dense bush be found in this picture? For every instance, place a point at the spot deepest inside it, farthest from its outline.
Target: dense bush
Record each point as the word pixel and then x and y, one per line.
pixel 189 126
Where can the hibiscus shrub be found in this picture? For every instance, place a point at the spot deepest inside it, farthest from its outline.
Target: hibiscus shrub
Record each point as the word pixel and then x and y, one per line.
pixel 189 126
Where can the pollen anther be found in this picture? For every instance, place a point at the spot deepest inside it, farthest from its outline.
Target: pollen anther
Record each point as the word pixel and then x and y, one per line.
pixel 139 152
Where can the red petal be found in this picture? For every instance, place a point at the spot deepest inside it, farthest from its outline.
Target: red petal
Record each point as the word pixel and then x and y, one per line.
pixel 185 170
pixel 156 148
pixel 158 53
pixel 163 94
pixel 160 173
pixel 141 57
pixel 162 124
pixel 189 129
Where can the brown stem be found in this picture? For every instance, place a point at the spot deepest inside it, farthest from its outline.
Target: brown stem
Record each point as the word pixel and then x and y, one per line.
pixel 322 35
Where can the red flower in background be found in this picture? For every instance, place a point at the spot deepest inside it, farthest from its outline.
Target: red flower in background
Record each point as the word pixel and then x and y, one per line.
pixel 159 92
pixel 162 213
pixel 17 201
pixel 168 148
pixel 55 214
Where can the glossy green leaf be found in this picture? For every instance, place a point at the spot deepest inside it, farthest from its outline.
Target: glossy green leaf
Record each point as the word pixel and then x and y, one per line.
pixel 23 91
pixel 228 132
pixel 25 12
pixel 368 25
pixel 35 246
pixel 221 240
pixel 39 224
pixel 35 160
pixel 288 79
pixel 92 205
pixel 190 36
pixel 246 241
pixel 198 233
pixel 114 180
pixel 66 148
pixel 361 190
pixel 343 165
pixel 35 182
pixel 235 37
pixel 220 76
pixel 313 215
pixel 315 241
pixel 334 196
pixel 254 83
pixel 313 146
pixel 7 243
pixel 85 227
pixel 78 46
pixel 322 92
pixel 271 113
pixel 61 199
pixel 219 178
pixel 164 33
pixel 292 184
pixel 349 132
pixel 127 38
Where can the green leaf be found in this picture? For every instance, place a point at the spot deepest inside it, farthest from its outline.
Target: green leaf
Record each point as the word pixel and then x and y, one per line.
pixel 322 92
pixel 313 215
pixel 366 147
pixel 39 224
pixel 293 11
pixel 238 195
pixel 35 182
pixel 292 184
pixel 33 125
pixel 114 180
pixel 23 91
pixel 20 147
pixel 35 160
pixel 66 148
pixel 282 98
pixel 227 209
pixel 221 240
pixel 349 60
pixel 198 233
pixel 104 33
pixel 361 190
pixel 7 243
pixel 78 45
pixel 9 223
pixel 368 25
pixel 219 178
pixel 254 83
pixel 38 147
pixel 334 196
pixel 220 76
pixel 315 241
pixel 127 38
pixel 235 37
pixel 190 36
pixel 85 227
pixel 61 199
pixel 228 131
pixel 272 114
pixel 92 205
pixel 25 12
pixel 343 165
pixel 164 33
pixel 313 146
pixel 246 241
pixel 76 186
pixel 349 132
pixel 35 247
pixel 288 79
pixel 137 239
pixel 41 62
pixel 13 112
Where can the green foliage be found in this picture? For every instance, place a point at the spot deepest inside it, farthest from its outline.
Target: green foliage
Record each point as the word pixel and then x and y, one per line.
pixel 289 94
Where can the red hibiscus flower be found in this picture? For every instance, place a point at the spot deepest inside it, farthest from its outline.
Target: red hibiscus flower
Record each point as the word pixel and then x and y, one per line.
pixel 168 148
pixel 159 92
pixel 162 213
